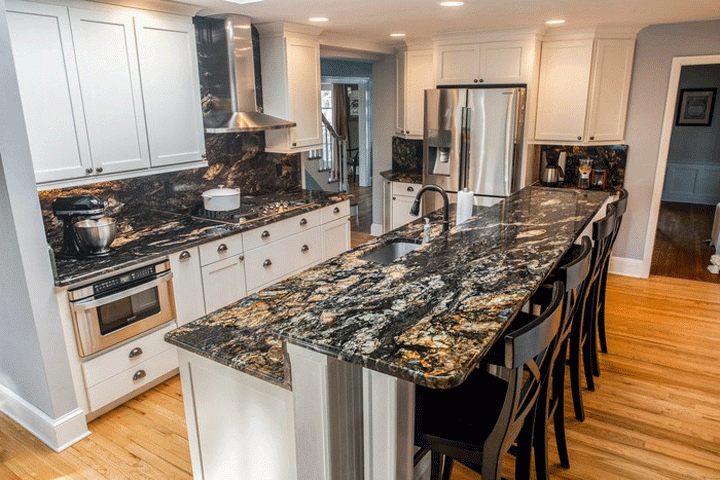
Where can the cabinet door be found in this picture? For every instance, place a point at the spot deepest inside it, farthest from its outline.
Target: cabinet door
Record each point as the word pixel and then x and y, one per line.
pixel 419 78
pixel 170 87
pixel 110 86
pixel 458 64
pixel 47 76
pixel 401 211
pixel 223 283
pixel 335 237
pixel 612 70
pixel 387 206
pixel 400 61
pixel 563 90
pixel 502 62
pixel 303 58
pixel 187 286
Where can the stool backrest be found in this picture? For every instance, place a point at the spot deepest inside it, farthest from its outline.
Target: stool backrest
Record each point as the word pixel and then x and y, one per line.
pixel 574 276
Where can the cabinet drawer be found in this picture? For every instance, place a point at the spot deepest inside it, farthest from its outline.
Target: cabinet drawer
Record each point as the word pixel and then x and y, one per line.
pixel 278 230
pixel 333 212
pixel 270 263
pixel 221 249
pixel 125 356
pixel 407 189
pixel 133 378
pixel 187 285
pixel 223 283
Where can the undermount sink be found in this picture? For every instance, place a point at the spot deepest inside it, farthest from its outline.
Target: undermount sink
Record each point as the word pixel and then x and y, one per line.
pixel 387 254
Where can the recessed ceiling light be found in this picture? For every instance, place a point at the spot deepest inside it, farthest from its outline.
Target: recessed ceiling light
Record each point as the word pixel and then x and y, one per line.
pixel 452 3
pixel 318 19
pixel 555 22
pixel 397 34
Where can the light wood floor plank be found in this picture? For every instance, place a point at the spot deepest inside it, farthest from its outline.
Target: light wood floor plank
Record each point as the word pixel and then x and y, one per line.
pixel 655 414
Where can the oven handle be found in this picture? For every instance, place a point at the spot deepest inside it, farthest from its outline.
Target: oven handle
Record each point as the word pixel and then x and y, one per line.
pixel 86 305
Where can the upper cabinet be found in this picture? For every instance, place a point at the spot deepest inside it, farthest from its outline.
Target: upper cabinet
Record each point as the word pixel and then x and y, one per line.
pixel 496 62
pixel 96 102
pixel 414 70
pixel 290 63
pixel 583 90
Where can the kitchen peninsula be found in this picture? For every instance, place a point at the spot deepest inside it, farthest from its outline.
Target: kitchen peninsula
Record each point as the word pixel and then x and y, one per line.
pixel 323 364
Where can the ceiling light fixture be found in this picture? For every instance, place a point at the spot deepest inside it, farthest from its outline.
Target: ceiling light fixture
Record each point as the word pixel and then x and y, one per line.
pixel 555 22
pixel 452 3
pixel 397 34
pixel 318 19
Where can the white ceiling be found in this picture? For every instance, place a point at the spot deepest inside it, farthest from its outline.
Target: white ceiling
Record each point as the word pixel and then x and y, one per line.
pixel 421 19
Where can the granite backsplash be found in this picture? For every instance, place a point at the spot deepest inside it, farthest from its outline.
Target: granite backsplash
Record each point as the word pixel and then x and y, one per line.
pixel 612 157
pixel 234 160
pixel 406 155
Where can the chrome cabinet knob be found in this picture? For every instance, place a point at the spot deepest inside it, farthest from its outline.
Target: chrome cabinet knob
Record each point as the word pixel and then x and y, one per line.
pixel 294 144
pixel 592 138
pixel 304 248
pixel 99 169
pixel 222 248
pixel 336 210
pixel 579 137
pixel 139 374
pixel 265 234
pixel 267 263
pixel 410 189
pixel 89 170
pixel 241 258
pixel 185 255
pixel 476 80
pixel 303 222
pixel 135 352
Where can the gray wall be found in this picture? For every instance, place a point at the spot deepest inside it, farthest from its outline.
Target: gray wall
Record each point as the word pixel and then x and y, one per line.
pixel 333 67
pixel 656 46
pixel 697 144
pixel 383 127
pixel 33 358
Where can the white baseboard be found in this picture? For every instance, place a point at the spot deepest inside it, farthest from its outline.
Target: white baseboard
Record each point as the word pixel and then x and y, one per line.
pixel 57 433
pixel 376 229
pixel 628 267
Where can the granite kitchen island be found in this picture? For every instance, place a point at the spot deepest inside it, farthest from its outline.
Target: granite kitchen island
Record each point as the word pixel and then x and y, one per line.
pixel 335 351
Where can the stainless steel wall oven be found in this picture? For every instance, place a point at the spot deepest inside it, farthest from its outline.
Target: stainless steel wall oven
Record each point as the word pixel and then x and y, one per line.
pixel 120 307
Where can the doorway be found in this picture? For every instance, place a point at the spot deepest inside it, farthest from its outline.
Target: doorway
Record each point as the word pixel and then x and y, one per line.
pixel 690 194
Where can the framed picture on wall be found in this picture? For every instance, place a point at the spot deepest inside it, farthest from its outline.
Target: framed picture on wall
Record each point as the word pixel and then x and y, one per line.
pixel 696 106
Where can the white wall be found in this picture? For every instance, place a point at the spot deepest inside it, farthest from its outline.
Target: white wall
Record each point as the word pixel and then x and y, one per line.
pixel 383 127
pixel 655 48
pixel 697 144
pixel 33 359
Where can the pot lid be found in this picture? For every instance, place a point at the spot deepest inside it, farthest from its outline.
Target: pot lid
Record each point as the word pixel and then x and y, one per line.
pixel 221 191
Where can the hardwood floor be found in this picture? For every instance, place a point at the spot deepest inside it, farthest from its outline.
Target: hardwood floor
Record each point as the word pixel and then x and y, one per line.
pixel 364 197
pixel 680 247
pixel 655 414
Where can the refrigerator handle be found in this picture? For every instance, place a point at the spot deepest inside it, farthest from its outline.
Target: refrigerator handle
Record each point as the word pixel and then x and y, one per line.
pixel 509 141
pixel 464 148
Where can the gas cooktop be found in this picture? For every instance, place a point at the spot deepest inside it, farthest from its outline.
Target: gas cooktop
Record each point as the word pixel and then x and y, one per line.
pixel 251 208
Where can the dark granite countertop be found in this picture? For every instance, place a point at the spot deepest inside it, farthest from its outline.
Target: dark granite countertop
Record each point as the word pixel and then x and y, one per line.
pixel 428 318
pixel 146 234
pixel 407 177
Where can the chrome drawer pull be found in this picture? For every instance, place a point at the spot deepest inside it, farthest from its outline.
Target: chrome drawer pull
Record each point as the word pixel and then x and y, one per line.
pixel 135 352
pixel 139 374
pixel 241 257
pixel 222 248
pixel 265 234
pixel 336 210
pixel 185 255
pixel 267 263
pixel 304 248
pixel 410 189
pixel 303 222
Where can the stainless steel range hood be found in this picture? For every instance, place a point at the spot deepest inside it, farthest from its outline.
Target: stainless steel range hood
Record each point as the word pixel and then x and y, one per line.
pixel 230 99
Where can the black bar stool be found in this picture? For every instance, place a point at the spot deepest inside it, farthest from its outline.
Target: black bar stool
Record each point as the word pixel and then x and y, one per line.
pixel 480 420
pixel 620 208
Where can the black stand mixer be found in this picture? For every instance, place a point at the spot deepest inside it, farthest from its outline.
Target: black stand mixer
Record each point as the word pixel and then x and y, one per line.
pixel 71 209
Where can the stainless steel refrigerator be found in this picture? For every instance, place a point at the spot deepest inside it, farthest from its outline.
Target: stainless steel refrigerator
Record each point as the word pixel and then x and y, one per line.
pixel 473 138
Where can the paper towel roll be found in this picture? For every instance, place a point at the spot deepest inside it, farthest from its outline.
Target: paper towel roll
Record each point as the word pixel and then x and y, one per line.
pixel 464 206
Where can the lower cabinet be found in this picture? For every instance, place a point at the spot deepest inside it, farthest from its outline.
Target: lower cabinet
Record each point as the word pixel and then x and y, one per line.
pixel 223 282
pixel 187 281
pixel 399 197
pixel 335 237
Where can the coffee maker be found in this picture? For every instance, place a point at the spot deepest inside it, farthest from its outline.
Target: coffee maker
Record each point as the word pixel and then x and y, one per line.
pixel 71 209
pixel 552 174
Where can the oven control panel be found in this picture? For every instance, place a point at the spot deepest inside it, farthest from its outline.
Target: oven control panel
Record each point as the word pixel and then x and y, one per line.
pixel 119 281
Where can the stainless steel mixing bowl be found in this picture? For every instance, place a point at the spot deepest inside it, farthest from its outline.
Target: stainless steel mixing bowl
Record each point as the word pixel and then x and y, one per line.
pixel 96 235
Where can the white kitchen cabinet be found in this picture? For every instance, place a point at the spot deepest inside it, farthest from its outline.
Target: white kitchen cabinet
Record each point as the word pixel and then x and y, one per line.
pixel 387 206
pixel 223 282
pixel 45 64
pixel 402 196
pixel 106 56
pixel 335 237
pixel 166 52
pixel 414 70
pixel 483 62
pixel 290 63
pixel 583 90
pixel 187 285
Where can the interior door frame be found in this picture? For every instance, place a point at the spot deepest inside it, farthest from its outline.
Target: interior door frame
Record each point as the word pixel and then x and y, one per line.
pixel 667 126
